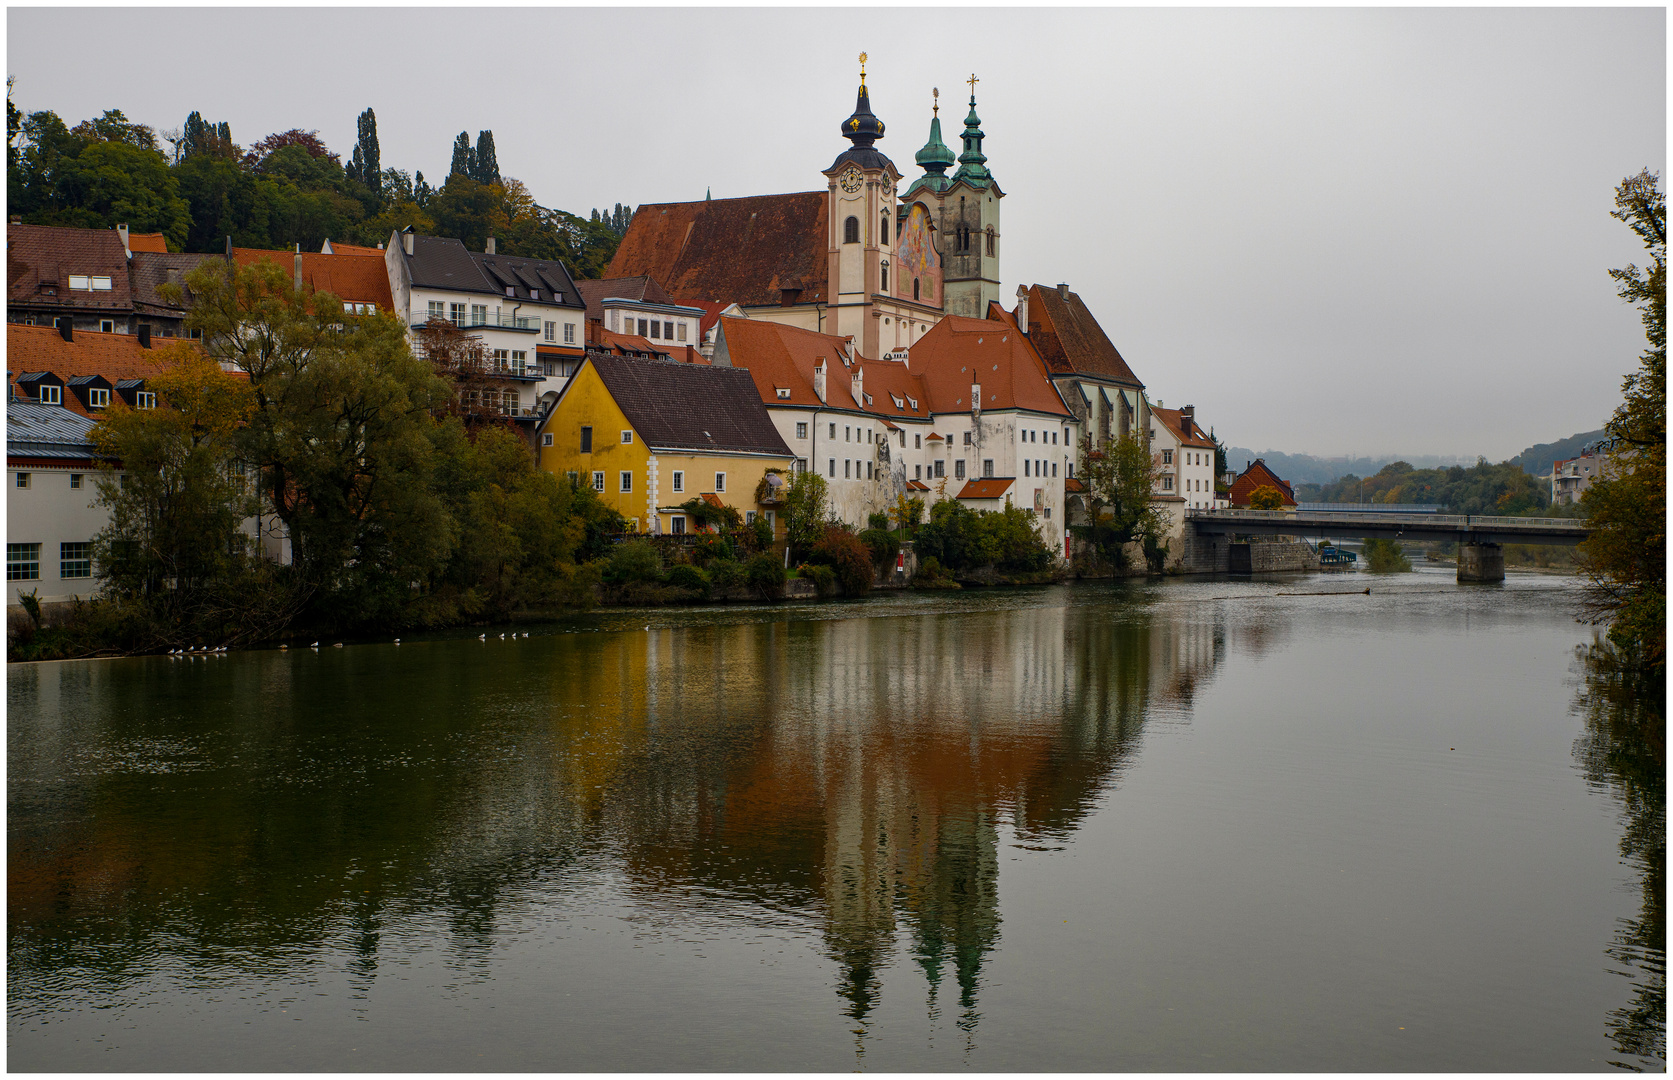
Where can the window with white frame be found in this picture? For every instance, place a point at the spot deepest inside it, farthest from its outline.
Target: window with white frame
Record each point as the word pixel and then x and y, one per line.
pixel 75 560
pixel 679 480
pixel 546 439
pixel 75 481
pixel 668 331
pixel 940 468
pixel 677 524
pixel 681 330
pixel 598 481
pixel 801 430
pixel 107 326
pixel 784 394
pixel 437 309
pixel 456 314
pixel 627 437
pixel 23 562
pixel 1167 457
pixel 21 479
pixel 958 469
pixel 479 314
pixel 519 361
pixel 720 482
pixel 48 394
pixel 145 399
pixel 551 329
pixel 569 333
pixel 987 467
pixel 627 481
pixel 1167 483
pixel 98 398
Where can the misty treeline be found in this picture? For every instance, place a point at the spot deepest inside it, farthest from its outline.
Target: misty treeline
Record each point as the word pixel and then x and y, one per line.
pixel 1480 489
pixel 198 186
pixel 325 432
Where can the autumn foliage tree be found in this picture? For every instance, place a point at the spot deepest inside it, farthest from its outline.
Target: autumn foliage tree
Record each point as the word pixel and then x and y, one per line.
pixel 1625 558
pixel 1266 497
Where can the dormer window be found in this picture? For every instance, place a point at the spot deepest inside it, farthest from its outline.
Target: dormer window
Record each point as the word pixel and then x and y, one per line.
pixel 90 282
pixel 783 392
pixel 49 394
pixel 510 291
pixel 98 398
pixel 145 399
pixel 534 294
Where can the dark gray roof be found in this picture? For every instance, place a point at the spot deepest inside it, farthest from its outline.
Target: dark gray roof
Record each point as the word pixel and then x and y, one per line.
pixel 150 269
pixel 642 287
pixel 690 406
pixel 46 431
pixel 439 262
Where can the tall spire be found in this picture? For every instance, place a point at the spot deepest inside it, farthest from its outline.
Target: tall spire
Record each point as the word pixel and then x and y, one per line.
pixel 972 164
pixel 936 157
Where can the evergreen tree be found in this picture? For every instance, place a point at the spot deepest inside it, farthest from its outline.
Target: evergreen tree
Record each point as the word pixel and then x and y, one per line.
pixel 464 159
pixel 366 156
pixel 487 169
pixel 421 191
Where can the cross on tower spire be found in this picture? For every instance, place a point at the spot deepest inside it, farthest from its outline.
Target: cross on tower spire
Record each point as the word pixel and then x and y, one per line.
pixel 972 81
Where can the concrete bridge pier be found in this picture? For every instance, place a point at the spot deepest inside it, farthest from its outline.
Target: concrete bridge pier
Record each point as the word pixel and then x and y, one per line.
pixel 1481 562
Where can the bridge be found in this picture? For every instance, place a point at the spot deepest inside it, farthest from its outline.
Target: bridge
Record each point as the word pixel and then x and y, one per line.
pixel 1480 538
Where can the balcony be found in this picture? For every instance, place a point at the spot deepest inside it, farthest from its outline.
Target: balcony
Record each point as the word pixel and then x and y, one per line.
pixel 487 322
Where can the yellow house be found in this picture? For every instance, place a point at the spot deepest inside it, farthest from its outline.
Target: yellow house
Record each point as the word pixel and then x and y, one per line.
pixel 649 435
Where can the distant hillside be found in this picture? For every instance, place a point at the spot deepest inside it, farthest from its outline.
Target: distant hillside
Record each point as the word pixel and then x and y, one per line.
pixel 1537 460
pixel 1308 469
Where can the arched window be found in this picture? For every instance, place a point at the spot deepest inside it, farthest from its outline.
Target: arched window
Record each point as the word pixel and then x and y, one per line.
pixel 851 231
pixel 915 291
pixel 883 227
pixel 964 238
pixel 990 239
pixel 885 287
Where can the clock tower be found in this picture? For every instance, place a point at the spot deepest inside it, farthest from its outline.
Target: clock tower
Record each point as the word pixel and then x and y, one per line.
pixel 860 231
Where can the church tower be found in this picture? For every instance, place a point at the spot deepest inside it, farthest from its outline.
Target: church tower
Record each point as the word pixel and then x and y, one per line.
pixel 860 229
pixel 967 215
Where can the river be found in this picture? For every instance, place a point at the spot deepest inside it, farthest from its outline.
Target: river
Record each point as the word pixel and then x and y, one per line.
pixel 1201 825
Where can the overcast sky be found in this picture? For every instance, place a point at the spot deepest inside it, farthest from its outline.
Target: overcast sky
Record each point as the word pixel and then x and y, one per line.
pixel 1333 231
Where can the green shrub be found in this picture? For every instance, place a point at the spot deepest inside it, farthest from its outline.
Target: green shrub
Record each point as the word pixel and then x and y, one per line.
pixel 689 578
pixel 877 521
pixel 766 577
pixel 634 560
pixel 932 575
pixel 882 545
pixel 823 577
pixel 1385 557
pixel 710 547
pixel 726 576
pixel 847 557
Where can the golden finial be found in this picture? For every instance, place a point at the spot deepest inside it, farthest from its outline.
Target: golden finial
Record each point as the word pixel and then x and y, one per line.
pixel 973 81
pixel 862 69
pixel 936 90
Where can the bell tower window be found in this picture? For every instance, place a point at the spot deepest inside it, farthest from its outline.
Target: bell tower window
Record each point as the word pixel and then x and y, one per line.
pixel 916 292
pixel 851 231
pixel 990 239
pixel 883 227
pixel 885 269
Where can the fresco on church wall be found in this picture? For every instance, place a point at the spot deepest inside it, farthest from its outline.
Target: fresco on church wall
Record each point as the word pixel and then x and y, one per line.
pixel 916 258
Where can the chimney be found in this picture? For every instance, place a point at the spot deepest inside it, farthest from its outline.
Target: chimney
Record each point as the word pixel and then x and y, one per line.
pixel 66 329
pixel 859 389
pixel 229 247
pixel 1063 291
pixel 380 245
pixel 122 231
pixel 1022 308
pixel 489 250
pixel 819 380
pixel 144 335
pixel 1187 415
pixel 975 397
pixel 848 347
pixel 298 278
pixel 406 239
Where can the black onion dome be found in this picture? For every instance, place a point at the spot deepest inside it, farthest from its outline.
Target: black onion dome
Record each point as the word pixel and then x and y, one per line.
pixel 862 129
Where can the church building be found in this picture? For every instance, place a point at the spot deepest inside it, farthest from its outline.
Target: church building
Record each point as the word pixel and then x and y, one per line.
pixel 862 258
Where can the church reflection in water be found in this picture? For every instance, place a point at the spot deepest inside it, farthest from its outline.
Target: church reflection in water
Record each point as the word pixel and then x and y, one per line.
pixel 861 772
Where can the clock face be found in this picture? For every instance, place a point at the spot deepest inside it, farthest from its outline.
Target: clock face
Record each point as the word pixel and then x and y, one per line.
pixel 851 180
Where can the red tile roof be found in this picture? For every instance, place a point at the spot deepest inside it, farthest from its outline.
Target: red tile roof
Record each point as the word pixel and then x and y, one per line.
pixel 992 487
pixel 356 279
pixel 147 241
pixel 41 258
pixel 1177 424
pixel 745 251
pixel 957 352
pixel 339 248
pixel 711 313
pixel 780 357
pixel 114 356
pixel 1074 484
pixel 1258 475
pixel 1070 340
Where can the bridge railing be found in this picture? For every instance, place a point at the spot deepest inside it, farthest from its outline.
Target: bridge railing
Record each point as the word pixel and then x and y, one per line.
pixel 1462 521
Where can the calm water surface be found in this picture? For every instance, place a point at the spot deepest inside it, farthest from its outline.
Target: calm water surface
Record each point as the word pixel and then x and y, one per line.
pixel 1204 825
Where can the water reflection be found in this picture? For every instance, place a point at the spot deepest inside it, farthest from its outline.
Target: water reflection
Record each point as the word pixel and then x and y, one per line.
pixel 1624 749
pixel 848 777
